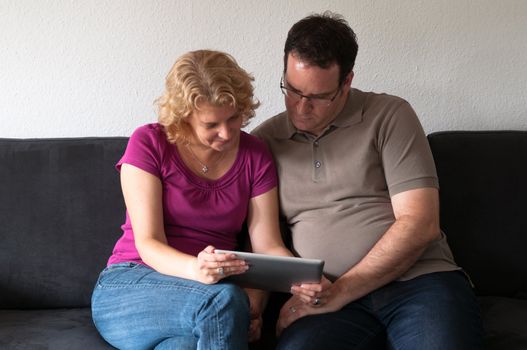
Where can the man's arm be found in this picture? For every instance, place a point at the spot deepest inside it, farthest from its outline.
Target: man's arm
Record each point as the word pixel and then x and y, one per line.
pixel 416 226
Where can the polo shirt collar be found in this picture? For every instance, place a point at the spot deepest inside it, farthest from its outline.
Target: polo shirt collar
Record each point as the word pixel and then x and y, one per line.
pixel 349 115
pixel 352 111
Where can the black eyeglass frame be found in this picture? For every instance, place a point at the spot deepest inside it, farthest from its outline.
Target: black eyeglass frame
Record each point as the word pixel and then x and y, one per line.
pixel 285 90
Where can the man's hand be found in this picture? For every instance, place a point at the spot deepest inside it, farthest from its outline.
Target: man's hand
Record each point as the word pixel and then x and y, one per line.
pixel 311 299
pixel 316 294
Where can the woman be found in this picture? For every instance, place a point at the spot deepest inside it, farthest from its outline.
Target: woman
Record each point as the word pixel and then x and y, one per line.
pixel 189 182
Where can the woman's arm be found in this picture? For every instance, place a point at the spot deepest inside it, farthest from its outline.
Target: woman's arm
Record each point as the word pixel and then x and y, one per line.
pixel 264 230
pixel 265 236
pixel 142 193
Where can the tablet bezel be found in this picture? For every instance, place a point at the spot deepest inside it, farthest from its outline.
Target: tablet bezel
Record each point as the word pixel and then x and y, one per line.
pixel 275 273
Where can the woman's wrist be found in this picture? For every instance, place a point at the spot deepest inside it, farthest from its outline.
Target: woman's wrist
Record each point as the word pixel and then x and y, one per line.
pixel 192 270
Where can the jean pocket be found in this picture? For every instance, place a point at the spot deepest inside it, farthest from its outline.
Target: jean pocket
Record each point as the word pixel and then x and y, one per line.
pixel 113 271
pixel 122 265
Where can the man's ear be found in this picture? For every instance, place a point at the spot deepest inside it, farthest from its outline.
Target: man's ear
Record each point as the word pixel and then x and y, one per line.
pixel 346 85
pixel 349 79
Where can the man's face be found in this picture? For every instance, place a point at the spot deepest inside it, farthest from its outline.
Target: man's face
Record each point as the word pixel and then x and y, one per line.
pixel 313 81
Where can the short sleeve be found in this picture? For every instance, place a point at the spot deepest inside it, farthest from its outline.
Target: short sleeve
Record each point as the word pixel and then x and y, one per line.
pixel 264 174
pixel 143 150
pixel 406 156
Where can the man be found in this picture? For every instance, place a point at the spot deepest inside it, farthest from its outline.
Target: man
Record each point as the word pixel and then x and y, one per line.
pixel 358 188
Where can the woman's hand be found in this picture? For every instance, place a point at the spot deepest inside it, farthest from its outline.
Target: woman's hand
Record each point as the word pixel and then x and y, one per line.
pixel 210 267
pixel 258 301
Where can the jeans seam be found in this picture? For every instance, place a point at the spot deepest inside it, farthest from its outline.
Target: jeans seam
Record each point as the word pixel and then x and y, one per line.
pixel 217 321
pixel 138 284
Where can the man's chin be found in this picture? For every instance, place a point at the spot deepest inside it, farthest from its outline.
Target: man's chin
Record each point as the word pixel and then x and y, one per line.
pixel 302 124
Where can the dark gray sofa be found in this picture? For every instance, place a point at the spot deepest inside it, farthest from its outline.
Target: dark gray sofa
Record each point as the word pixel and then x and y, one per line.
pixel 60 211
pixel 483 192
pixel 61 208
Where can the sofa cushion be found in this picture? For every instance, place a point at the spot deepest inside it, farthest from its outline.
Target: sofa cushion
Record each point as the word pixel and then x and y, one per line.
pixel 68 329
pixel 483 188
pixel 505 323
pixel 61 208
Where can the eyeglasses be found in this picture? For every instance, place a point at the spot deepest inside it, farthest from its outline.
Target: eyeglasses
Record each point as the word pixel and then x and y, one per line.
pixel 315 101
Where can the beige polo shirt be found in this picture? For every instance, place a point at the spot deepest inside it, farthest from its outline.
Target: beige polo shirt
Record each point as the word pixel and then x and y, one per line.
pixel 335 189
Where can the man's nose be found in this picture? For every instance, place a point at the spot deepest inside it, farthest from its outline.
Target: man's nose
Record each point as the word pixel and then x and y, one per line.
pixel 304 105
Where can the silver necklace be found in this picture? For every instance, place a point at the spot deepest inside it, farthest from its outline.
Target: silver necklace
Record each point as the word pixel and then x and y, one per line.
pixel 204 167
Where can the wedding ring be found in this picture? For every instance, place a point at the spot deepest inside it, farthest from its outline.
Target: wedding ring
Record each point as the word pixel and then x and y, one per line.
pixel 220 271
pixel 292 309
pixel 316 302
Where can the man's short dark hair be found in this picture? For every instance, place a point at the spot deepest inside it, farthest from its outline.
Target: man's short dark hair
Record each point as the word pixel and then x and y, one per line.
pixel 321 40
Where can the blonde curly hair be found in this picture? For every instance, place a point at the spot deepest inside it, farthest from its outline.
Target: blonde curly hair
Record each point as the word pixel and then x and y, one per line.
pixel 203 76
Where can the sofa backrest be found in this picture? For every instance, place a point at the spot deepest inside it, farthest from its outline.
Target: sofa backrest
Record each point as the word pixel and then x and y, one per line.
pixel 60 214
pixel 483 193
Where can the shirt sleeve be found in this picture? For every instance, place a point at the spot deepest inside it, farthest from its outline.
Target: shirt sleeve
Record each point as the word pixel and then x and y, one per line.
pixel 264 174
pixel 406 156
pixel 142 151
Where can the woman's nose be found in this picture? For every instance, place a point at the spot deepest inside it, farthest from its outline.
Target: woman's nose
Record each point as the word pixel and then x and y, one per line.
pixel 225 132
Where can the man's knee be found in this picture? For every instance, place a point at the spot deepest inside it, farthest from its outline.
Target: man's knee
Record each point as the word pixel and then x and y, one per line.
pixel 436 311
pixel 329 331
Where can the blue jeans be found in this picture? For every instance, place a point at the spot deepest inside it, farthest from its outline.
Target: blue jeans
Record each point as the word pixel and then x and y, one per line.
pixel 135 307
pixel 433 311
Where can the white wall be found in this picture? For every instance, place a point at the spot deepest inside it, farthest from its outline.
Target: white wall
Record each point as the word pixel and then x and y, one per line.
pixel 94 68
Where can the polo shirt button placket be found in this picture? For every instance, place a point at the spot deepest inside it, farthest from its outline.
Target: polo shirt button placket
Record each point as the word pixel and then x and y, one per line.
pixel 317 164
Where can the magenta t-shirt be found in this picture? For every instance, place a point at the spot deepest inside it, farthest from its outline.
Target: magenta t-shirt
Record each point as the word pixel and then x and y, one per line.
pixel 197 212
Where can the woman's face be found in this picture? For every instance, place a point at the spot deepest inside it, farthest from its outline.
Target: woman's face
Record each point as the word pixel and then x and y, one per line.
pixel 217 127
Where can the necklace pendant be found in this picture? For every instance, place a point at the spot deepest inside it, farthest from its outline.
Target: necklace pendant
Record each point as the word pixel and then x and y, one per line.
pixel 204 169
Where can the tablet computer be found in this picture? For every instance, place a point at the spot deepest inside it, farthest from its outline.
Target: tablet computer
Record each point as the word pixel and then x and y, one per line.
pixel 275 273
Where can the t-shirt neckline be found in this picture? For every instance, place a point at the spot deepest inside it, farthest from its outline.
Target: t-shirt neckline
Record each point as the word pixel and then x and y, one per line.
pixel 222 181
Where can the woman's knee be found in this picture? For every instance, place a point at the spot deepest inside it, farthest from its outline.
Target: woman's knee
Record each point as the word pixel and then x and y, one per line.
pixel 223 317
pixel 232 298
pixel 178 342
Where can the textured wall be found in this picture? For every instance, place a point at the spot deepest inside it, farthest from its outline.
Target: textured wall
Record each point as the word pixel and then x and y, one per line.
pixel 93 68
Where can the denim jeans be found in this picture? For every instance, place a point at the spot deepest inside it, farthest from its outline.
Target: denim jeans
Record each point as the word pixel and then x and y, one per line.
pixel 433 311
pixel 135 307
